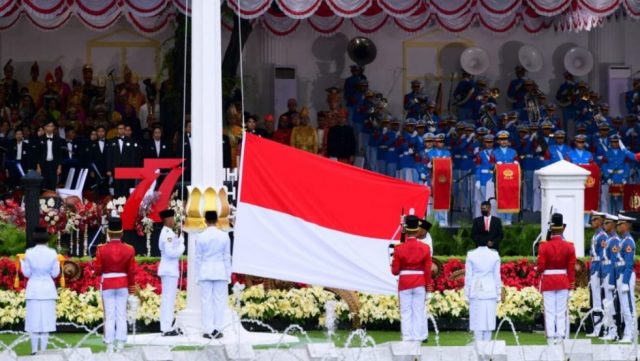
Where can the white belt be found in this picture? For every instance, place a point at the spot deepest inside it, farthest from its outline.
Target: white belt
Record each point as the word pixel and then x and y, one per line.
pixel 606 262
pixel 551 272
pixel 457 156
pixel 411 272
pixel 620 263
pixel 616 171
pixel 113 275
pixel 595 259
pixel 485 171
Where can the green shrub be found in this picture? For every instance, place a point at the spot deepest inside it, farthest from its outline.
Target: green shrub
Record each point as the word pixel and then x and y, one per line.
pixel 12 240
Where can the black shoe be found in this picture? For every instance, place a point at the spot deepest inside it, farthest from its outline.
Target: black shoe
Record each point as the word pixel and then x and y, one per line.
pixel 219 335
pixel 207 335
pixel 172 333
pixel 426 340
pixel 216 334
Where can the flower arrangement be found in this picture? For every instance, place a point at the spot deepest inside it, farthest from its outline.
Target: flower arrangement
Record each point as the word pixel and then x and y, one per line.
pixel 144 224
pixel 114 207
pixel 177 205
pixel 12 213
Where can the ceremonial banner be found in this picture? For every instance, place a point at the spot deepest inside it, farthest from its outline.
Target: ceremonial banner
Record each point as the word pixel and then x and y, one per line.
pixel 592 188
pixel 508 183
pixel 631 197
pixel 441 181
pixel 304 218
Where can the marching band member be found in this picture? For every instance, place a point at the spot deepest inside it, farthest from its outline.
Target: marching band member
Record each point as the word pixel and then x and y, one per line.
pixel 213 263
pixel 507 155
pixel 40 265
pixel 171 248
pixel 482 289
pixel 626 279
pixel 115 264
pixel 598 245
pixel 412 262
pixel 556 263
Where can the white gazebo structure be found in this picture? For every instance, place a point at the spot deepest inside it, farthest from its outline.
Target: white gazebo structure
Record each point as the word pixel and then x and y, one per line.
pixel 562 185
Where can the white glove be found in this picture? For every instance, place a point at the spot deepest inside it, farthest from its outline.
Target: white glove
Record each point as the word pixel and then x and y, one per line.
pixel 429 296
pixel 609 181
pixel 410 151
pixel 463 137
pixel 415 132
pixel 385 130
pixel 429 165
pixel 609 287
pixel 423 176
pixel 624 181
pixel 624 288
pixel 476 150
pixel 538 149
pixel 629 132
pixel 477 185
pixel 133 302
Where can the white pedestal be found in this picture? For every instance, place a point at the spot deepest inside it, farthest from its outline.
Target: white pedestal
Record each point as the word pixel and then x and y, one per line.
pixel 562 185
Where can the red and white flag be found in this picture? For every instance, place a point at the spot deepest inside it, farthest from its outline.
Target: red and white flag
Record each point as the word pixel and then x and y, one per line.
pixel 304 218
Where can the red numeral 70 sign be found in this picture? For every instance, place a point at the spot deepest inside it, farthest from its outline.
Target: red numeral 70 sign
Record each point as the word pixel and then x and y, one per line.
pixel 148 174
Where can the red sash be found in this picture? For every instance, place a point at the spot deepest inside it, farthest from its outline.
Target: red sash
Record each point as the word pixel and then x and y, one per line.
pixel 508 181
pixel 441 184
pixel 592 188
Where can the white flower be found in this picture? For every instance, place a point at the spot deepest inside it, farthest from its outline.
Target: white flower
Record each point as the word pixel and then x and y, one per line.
pixel 42 202
pixel 120 209
pixel 110 205
pixel 56 218
pixel 51 202
pixel 47 218
pixel 52 213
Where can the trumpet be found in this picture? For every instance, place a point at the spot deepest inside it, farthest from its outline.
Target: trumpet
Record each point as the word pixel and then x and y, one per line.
pixel 494 92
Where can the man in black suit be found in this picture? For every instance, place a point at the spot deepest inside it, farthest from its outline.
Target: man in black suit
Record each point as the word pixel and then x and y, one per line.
pixel 50 155
pixel 71 152
pixel 20 158
pixel 122 151
pixel 96 161
pixel 341 141
pixel 487 228
pixel 157 147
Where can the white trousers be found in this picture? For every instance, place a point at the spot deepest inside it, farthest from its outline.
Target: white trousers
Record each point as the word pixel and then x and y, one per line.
pixel 115 314
pixel 409 175
pixel 609 307
pixel 596 298
pixel 482 335
pixel 413 317
pixel 628 307
pixel 537 195
pixel 167 302
pixel 555 313
pixel 213 295
pixel 483 194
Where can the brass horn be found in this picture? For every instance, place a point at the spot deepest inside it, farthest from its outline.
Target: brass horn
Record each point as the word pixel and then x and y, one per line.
pixel 72 270
pixel 495 93
pixel 362 50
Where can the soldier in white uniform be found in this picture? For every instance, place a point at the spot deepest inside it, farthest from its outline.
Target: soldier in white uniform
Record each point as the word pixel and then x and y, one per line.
pixel 40 265
pixel 423 234
pixel 213 264
pixel 171 248
pixel 482 289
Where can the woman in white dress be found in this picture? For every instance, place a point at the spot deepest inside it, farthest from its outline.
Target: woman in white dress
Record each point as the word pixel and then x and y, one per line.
pixel 482 289
pixel 40 265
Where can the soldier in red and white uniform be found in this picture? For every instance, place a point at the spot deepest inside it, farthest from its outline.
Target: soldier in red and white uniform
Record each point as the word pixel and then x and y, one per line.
pixel 116 264
pixel 556 264
pixel 412 262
